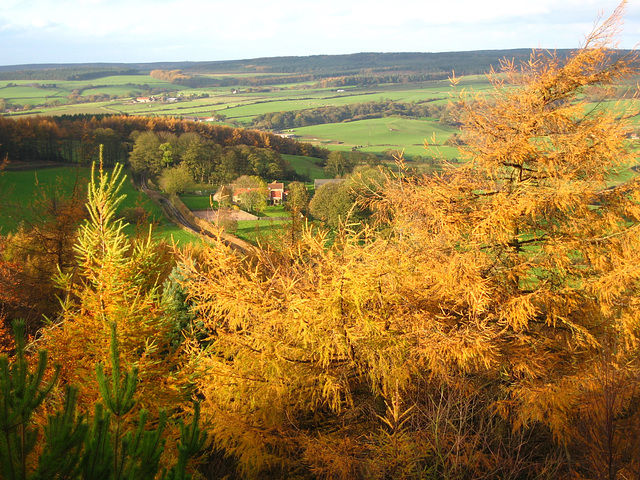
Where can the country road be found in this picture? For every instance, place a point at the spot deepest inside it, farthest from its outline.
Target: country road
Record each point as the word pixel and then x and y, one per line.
pixel 176 216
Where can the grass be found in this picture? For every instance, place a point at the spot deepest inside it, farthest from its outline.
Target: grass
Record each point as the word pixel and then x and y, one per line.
pixel 198 202
pixel 274 211
pixel 77 109
pixel 305 166
pixel 27 93
pixel 173 234
pixel 20 192
pixel 261 231
pixel 245 107
pixel 129 79
pixel 380 134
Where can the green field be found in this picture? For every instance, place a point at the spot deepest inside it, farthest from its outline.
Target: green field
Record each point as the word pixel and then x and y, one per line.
pixel 274 211
pixel 380 134
pixel 306 166
pixel 241 107
pixel 261 231
pixel 198 202
pixel 21 191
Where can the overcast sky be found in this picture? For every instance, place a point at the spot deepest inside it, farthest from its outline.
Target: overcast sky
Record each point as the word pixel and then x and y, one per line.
pixel 73 31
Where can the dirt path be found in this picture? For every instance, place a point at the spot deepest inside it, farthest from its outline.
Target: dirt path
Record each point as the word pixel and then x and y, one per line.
pixel 212 215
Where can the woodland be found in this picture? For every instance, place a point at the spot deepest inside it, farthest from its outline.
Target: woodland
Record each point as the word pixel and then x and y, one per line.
pixel 317 116
pixel 77 138
pixel 481 322
pixel 315 66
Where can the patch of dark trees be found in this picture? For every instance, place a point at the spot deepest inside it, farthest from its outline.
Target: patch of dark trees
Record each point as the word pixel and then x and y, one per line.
pixel 464 63
pixel 76 138
pixel 353 112
pixel 323 81
pixel 31 72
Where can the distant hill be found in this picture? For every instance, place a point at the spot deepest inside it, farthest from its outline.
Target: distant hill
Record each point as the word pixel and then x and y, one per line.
pixel 464 63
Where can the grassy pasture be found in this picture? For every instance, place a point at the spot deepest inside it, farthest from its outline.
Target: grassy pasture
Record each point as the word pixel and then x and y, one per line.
pixel 379 134
pixel 21 190
pixel 21 93
pixel 94 108
pixel 26 92
pixel 249 105
pixel 261 231
pixel 118 90
pixel 132 79
pixel 274 211
pixel 305 166
pixel 198 202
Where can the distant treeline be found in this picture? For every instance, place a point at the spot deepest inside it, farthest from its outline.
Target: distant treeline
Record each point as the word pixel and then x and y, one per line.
pixel 356 111
pixel 76 138
pixel 467 63
pixel 66 73
pixel 198 81
pixel 177 77
pixel 372 64
pixel 376 79
pixel 321 80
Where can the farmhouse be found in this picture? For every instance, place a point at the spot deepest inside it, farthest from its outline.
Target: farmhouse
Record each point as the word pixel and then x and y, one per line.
pixel 276 193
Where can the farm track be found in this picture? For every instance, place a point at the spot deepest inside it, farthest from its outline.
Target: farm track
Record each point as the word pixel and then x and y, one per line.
pixel 176 216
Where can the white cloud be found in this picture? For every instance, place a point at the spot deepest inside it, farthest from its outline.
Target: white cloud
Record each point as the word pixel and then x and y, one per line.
pixel 39 23
pixel 156 30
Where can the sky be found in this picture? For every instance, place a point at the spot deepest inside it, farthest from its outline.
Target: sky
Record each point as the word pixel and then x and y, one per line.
pixel 142 31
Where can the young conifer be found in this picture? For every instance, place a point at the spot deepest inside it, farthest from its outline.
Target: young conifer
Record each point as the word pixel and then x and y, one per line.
pixel 71 449
pixel 21 392
pixel 117 282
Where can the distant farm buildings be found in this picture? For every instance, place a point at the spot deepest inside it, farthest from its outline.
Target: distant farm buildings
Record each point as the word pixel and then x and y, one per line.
pixel 276 193
pixel 156 99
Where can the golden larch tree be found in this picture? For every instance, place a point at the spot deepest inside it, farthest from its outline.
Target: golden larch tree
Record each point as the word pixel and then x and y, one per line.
pixel 493 312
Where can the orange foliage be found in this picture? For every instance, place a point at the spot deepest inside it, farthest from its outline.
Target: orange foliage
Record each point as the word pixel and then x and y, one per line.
pixel 461 338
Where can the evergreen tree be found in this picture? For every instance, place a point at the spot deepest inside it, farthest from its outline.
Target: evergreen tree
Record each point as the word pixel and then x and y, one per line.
pixel 71 448
pixel 117 282
pixel 21 392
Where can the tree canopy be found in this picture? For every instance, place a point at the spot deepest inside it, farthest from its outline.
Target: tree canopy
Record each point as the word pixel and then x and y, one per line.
pixel 479 330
